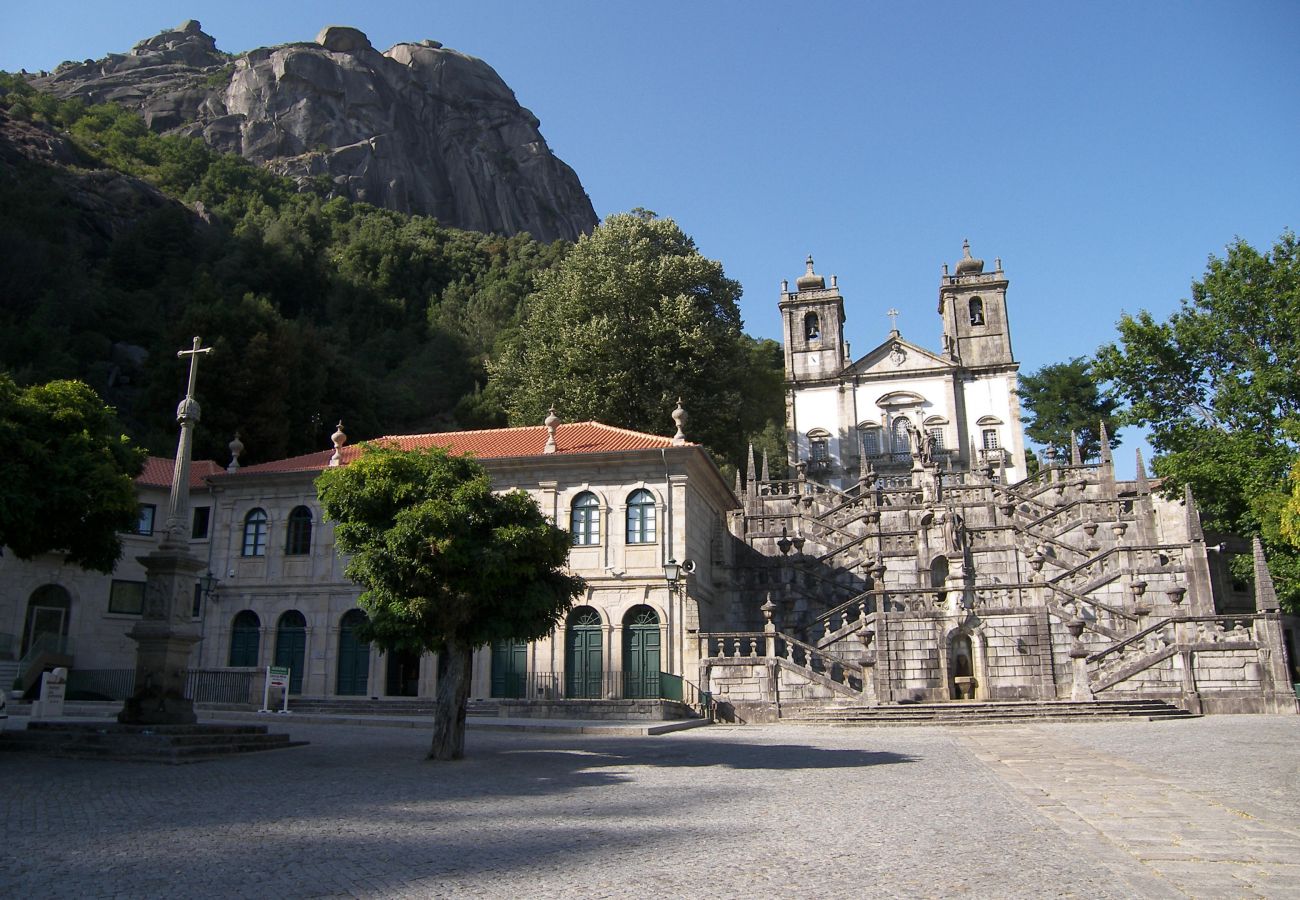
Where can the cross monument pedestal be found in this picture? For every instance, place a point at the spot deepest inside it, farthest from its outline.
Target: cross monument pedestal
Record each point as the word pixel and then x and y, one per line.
pixel 165 634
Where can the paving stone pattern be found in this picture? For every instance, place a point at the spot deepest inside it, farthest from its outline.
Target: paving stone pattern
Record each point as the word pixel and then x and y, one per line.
pixel 1088 810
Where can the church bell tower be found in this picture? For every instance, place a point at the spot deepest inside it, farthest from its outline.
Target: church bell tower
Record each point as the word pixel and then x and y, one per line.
pixel 973 304
pixel 812 317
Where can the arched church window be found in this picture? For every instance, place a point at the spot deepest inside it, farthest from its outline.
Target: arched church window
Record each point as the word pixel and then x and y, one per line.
pixel 819 448
pixel 812 329
pixel 901 444
pixel 870 440
pixel 976 311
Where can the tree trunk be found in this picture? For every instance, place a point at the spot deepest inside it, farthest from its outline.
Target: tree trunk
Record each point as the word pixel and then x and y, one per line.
pixel 453 691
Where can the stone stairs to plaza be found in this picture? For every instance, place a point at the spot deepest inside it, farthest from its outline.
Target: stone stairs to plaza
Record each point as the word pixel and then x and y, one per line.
pixel 988 713
pixel 153 743
pixel 386 706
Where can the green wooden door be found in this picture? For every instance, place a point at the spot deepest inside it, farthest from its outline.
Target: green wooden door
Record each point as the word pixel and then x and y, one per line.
pixel 291 647
pixel 509 669
pixel 403 675
pixel 354 657
pixel 583 653
pixel 245 635
pixel 641 654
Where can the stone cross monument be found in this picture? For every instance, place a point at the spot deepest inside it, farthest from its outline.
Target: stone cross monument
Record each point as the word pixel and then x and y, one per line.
pixel 165 634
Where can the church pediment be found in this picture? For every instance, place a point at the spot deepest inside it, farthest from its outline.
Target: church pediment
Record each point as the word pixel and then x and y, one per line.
pixel 897 355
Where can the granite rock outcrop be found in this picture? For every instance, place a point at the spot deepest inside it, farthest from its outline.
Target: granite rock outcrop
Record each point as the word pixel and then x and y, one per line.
pixel 418 128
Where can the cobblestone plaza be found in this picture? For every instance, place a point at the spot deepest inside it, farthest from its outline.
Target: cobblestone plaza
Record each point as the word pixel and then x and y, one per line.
pixel 1203 808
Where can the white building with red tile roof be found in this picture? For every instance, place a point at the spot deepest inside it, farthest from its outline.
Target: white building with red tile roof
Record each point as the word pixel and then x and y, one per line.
pixel 634 501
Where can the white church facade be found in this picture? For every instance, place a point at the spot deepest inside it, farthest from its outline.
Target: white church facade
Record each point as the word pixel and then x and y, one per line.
pixel 900 401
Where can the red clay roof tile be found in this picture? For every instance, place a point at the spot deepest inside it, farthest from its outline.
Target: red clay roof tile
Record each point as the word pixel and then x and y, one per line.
pixel 496 443
pixel 158 472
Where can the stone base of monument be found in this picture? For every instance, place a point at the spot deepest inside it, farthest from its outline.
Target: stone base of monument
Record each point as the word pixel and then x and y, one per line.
pixel 142 743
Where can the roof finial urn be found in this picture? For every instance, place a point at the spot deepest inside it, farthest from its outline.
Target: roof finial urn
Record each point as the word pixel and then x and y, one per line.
pixel 679 419
pixel 552 423
pixel 339 438
pixel 236 448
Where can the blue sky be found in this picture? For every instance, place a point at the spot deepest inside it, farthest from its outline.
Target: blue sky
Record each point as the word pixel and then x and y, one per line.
pixel 1102 150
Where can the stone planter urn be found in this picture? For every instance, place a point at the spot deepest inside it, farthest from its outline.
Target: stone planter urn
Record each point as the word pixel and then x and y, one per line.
pixel 965 685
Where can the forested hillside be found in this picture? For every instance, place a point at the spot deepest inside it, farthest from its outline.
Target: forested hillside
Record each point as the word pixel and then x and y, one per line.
pixel 317 309
pixel 117 245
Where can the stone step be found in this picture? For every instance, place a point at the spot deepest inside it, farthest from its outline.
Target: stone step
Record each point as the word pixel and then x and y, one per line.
pixel 988 713
pixel 164 743
pixel 393 706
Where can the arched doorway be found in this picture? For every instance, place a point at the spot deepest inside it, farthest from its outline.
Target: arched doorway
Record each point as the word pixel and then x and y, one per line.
pixel 48 612
pixel 291 647
pixel 961 668
pixel 509 669
pixel 353 677
pixel 402 674
pixel 245 636
pixel 583 653
pixel 641 653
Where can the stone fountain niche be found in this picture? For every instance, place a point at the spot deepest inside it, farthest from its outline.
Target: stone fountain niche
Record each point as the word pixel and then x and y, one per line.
pixel 961 668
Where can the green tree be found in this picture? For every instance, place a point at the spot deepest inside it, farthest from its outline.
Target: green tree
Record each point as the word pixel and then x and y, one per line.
pixel 1218 384
pixel 1064 398
pixel 68 485
pixel 447 565
pixel 633 318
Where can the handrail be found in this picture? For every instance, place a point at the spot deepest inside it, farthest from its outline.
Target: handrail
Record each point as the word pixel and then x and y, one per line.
pixel 1164 623
pixel 45 643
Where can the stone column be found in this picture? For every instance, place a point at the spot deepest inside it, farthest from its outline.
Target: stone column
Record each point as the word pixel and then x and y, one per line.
pixel 165 635
pixel 1081 689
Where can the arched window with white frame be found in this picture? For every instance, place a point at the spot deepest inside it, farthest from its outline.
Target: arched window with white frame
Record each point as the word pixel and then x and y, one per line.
pixel 584 519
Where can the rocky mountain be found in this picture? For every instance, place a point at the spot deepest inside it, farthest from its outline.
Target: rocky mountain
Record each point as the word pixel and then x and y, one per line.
pixel 418 128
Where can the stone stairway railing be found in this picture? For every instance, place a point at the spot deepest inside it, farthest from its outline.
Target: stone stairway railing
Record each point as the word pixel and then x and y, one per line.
pixel 1157 642
pixel 753 648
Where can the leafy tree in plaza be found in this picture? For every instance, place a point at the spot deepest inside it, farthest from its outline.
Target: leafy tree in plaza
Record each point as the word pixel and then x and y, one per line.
pixel 1218 384
pixel 68 484
pixel 631 319
pixel 1064 398
pixel 447 565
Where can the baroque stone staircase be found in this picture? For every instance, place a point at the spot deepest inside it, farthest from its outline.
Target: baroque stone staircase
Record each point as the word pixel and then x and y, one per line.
pixel 1069 542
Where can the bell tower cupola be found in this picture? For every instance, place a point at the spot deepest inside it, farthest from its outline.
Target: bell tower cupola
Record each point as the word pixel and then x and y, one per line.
pixel 973 304
pixel 812 317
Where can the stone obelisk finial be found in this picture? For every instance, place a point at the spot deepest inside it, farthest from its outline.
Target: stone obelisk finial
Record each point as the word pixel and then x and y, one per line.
pixel 1265 592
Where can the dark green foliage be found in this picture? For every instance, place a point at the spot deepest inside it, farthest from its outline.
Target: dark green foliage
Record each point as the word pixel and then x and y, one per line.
pixel 68 477
pixel 1218 384
pixel 320 309
pixel 446 564
pixel 631 319
pixel 1064 398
